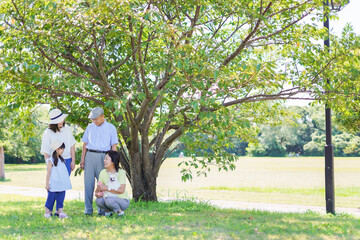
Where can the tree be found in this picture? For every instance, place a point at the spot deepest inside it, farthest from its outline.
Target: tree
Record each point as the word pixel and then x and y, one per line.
pixel 295 131
pixel 165 68
pixel 22 146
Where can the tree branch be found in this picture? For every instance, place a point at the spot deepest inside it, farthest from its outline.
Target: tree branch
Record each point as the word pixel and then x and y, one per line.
pixel 246 40
pixel 280 30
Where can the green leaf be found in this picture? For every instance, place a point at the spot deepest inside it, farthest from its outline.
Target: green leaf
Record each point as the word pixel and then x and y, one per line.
pixel 216 74
pixel 179 64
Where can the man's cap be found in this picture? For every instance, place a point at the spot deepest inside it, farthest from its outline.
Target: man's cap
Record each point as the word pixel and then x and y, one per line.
pixel 95 112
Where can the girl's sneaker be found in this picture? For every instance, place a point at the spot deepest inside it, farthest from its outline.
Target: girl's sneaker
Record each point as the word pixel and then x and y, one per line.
pixel 121 214
pixel 62 215
pixel 47 215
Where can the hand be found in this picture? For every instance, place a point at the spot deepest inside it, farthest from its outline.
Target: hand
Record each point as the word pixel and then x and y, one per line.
pixel 82 164
pixel 99 194
pixel 102 187
pixel 47 187
pixel 72 165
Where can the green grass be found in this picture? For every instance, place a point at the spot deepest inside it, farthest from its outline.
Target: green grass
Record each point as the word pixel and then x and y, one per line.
pixel 25 167
pixel 22 218
pixel 340 191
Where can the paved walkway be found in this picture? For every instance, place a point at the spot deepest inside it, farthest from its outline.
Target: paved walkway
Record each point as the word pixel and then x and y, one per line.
pixel 271 207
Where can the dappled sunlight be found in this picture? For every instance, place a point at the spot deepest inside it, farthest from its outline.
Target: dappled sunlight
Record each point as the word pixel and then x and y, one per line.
pixel 176 214
pixel 173 220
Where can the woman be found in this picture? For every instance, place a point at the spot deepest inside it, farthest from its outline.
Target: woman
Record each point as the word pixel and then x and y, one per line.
pixel 58 131
pixel 110 192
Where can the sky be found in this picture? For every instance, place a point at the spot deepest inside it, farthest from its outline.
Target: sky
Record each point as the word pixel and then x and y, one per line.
pixel 350 14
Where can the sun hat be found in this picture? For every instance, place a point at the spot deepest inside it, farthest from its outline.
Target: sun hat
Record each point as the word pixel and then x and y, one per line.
pixel 55 145
pixel 95 112
pixel 56 116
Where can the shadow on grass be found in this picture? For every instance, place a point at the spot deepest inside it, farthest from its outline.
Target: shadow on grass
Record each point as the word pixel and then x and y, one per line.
pixel 170 220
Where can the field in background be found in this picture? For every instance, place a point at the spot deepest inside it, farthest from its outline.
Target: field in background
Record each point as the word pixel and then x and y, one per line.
pixel 298 180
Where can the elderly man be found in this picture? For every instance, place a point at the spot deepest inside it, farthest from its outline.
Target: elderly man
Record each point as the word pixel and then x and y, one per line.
pixel 99 137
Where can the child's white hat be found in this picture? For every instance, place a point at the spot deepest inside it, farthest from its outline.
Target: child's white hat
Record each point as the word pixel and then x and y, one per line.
pixel 55 145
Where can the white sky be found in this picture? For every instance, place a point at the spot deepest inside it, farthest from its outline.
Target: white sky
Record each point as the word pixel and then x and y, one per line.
pixel 350 14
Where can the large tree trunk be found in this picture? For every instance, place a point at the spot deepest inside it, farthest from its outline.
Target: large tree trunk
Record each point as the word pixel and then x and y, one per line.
pixel 144 189
pixel 2 163
pixel 145 157
pixel 143 181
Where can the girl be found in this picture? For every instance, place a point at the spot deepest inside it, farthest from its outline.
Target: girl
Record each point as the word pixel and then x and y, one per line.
pixel 110 192
pixel 57 180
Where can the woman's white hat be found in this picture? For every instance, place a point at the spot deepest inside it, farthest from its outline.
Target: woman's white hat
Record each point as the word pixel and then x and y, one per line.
pixel 56 116
pixel 55 145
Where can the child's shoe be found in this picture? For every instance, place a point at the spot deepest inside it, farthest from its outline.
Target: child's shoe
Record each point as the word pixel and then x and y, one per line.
pixel 47 215
pixel 62 215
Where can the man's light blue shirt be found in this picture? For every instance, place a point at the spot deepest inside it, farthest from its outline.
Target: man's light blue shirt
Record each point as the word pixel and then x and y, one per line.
pixel 101 137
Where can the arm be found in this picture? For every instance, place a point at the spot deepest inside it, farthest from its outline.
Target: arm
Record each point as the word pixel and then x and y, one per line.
pixel 48 172
pixel 72 152
pixel 120 190
pixel 83 153
pixel 113 138
pixel 98 192
pixel 45 145
pixel 72 142
pixel 114 147
pixel 46 156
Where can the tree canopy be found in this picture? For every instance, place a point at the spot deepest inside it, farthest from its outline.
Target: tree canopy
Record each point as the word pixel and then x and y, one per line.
pixel 162 69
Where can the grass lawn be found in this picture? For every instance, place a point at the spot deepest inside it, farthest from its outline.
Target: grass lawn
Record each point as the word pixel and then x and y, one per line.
pixel 298 180
pixel 22 218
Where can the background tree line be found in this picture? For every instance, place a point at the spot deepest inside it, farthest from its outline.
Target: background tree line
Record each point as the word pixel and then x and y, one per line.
pixel 20 146
pixel 302 133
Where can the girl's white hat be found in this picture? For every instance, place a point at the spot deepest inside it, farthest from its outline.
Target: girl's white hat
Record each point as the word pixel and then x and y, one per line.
pixel 56 116
pixel 55 145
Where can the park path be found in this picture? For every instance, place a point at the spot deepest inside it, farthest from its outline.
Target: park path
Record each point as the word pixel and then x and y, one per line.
pixel 271 207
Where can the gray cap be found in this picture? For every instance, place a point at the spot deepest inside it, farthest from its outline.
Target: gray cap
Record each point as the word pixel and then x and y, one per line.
pixel 95 112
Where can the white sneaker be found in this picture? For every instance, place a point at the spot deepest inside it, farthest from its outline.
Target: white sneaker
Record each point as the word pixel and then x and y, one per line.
pixel 62 215
pixel 108 214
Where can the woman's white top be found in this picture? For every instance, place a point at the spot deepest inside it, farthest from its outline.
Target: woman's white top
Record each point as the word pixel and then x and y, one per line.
pixel 59 176
pixel 64 135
